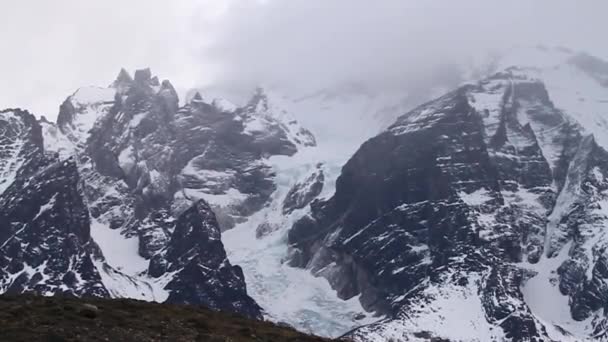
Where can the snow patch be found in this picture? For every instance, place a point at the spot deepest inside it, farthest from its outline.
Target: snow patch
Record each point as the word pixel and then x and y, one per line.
pixel 543 297
pixel 455 313
pixel 136 120
pixel 90 104
pixel 47 206
pixel 475 198
pixel 90 95
pixel 11 160
pixel 55 141
pixel 126 159
pixel 120 285
pixel 119 251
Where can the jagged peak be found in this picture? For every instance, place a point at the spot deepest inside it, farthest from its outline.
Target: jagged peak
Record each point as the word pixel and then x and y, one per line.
pixel 123 75
pixel 167 86
pixel 268 102
pixel 197 97
pixel 21 114
pixel 43 119
pixel 154 81
pixel 123 78
pixel 143 76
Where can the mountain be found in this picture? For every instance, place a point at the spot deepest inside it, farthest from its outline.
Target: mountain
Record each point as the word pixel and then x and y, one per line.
pixel 52 243
pixel 476 216
pixel 44 223
pixel 341 118
pixel 126 195
pixel 479 215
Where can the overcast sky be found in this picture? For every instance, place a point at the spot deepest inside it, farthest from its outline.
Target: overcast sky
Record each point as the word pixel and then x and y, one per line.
pixel 50 48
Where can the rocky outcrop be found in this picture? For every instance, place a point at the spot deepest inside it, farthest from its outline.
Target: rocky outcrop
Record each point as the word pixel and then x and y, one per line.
pixel 45 241
pixel 21 146
pixel 196 253
pixel 302 193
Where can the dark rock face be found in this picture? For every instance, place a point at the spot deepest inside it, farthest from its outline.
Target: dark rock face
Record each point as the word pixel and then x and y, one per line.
pixel 583 276
pixel 20 144
pixel 302 193
pixel 197 253
pixel 413 190
pixel 45 240
pixel 46 235
pixel 213 156
pixel 447 202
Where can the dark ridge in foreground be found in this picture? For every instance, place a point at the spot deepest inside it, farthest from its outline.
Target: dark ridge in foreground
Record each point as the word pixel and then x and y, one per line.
pixel 61 319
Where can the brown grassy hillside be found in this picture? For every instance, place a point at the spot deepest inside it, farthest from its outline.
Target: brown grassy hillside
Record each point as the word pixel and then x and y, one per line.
pixel 59 319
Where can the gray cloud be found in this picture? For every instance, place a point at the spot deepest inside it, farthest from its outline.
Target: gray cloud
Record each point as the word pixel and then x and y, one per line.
pixel 307 44
pixel 52 47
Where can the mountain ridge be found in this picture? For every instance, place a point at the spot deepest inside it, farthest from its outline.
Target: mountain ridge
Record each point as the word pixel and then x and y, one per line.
pixel 114 147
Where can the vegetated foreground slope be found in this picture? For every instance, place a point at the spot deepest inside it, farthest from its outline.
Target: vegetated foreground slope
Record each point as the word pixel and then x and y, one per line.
pixel 33 318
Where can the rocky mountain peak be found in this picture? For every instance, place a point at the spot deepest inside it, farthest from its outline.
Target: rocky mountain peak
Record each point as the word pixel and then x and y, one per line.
pixel 144 76
pixel 491 192
pixel 123 81
pixel 20 142
pixel 197 97
pixel 265 115
pixel 43 119
pixel 170 97
pixel 154 81
pixel 140 174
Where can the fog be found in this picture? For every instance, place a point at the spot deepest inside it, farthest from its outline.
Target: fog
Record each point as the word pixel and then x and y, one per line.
pixel 50 48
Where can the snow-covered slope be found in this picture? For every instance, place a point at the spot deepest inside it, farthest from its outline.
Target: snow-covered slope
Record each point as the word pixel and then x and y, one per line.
pixel 259 245
pixel 80 111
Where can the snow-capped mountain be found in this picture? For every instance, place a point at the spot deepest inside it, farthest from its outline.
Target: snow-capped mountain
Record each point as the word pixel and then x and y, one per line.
pixel 126 194
pixel 478 216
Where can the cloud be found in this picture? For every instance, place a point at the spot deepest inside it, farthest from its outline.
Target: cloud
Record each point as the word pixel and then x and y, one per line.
pixel 49 48
pixel 307 44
